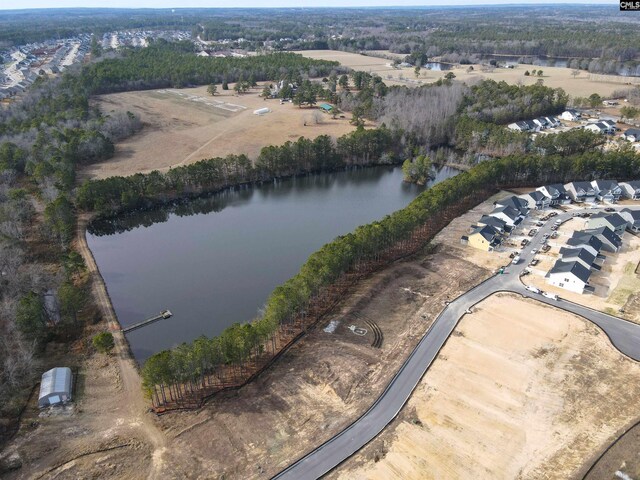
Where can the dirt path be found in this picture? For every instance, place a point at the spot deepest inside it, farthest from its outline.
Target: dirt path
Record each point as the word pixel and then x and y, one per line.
pixel 130 378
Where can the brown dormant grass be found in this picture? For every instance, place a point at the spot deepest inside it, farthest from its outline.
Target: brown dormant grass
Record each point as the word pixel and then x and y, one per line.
pixel 187 125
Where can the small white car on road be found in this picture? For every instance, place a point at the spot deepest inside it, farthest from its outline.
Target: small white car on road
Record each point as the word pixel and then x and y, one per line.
pixel 550 295
pixel 532 289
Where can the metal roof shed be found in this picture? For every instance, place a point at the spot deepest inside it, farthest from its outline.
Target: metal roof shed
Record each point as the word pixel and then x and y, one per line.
pixel 55 387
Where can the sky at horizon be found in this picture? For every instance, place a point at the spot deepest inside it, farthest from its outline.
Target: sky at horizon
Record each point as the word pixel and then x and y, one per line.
pixel 31 4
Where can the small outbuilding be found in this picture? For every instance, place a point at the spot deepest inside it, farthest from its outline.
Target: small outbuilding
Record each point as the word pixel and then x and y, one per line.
pixel 55 387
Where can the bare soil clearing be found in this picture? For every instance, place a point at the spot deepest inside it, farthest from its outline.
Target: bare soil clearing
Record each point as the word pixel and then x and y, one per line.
pixel 187 125
pixel 326 381
pixel 521 390
pixel 580 86
pixel 317 388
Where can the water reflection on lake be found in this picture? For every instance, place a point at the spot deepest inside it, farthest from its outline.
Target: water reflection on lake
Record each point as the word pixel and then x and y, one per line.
pixel 213 261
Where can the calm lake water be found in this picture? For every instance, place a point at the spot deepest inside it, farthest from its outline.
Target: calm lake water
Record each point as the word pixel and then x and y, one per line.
pixel 215 260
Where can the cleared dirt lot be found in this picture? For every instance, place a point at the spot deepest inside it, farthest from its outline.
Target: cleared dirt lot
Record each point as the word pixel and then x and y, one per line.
pixel 580 86
pixel 520 391
pixel 317 388
pixel 326 381
pixel 187 125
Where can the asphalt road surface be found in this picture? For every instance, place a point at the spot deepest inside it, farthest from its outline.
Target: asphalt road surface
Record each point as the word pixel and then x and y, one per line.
pixel 624 335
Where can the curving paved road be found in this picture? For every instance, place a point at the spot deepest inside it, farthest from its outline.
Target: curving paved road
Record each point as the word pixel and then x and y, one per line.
pixel 624 335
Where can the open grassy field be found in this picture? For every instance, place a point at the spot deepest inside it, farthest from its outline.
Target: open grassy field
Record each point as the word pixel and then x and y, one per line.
pixel 521 391
pixel 187 125
pixel 580 86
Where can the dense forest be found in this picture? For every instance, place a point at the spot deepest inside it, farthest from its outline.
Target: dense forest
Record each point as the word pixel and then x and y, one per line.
pixel 174 64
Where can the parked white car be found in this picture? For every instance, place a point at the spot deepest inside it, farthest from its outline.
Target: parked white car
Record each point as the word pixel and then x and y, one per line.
pixel 516 259
pixel 532 289
pixel 550 295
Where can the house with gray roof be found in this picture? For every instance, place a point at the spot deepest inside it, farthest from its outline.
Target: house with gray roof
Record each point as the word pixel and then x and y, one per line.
pixel 572 276
pixel 509 215
pixel 631 189
pixel 581 255
pixel 495 222
pixel 586 240
pixel 607 190
pixel 484 238
pixel 556 194
pixel 536 200
pixel 632 134
pixel 611 242
pixel 581 192
pixel 514 202
pixel 632 218
pixel 614 221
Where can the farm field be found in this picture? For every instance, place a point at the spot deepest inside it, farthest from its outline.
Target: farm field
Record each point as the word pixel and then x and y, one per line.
pixel 187 125
pixel 521 390
pixel 580 86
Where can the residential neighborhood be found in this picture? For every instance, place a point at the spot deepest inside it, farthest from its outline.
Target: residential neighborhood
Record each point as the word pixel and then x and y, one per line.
pixel 576 259
pixel 23 64
pixel 571 119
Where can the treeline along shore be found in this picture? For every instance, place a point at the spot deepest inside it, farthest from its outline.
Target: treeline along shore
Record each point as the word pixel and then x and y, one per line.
pixel 185 376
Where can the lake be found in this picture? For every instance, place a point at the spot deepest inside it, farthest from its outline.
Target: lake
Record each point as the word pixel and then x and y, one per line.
pixel 214 261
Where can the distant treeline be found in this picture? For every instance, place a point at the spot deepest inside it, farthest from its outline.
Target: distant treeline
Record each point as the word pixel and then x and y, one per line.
pixel 174 64
pixel 189 372
pixel 116 194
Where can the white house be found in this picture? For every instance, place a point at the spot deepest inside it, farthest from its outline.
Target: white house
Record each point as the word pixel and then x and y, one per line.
pixel 524 126
pixel 607 190
pixel 632 218
pixel 631 189
pixel 600 127
pixel 632 134
pixel 581 191
pixel 541 122
pixel 552 121
pixel 572 276
pixel 570 115
pixel 609 123
pixel 509 215
pixel 556 194
pixel 536 200
pixel 495 222
pixel 518 126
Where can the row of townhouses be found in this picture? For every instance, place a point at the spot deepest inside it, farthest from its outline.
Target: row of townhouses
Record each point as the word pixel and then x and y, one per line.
pixel 491 229
pixel 583 254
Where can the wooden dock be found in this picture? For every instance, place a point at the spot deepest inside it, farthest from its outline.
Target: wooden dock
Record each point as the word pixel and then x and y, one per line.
pixel 148 321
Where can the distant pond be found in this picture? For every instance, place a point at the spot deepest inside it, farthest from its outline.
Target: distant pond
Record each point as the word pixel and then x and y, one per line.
pixel 214 261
